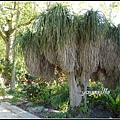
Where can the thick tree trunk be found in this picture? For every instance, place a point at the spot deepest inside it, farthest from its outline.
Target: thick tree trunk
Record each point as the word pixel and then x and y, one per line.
pixel 77 88
pixel 8 57
pixel 74 90
pixel 84 78
pixel 109 78
pixel 77 92
pixel 113 78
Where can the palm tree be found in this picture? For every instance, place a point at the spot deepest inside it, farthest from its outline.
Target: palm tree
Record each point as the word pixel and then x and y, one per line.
pixel 78 44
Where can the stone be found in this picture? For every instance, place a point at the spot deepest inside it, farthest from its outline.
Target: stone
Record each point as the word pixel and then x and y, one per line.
pixel 38 109
pixel 30 104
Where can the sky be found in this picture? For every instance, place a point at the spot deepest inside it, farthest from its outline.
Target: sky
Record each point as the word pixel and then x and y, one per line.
pixel 94 4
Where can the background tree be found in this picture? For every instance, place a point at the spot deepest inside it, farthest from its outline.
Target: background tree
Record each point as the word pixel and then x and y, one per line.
pixel 8 22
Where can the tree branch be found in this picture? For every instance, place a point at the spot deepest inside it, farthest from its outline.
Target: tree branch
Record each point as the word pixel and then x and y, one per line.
pixel 3 36
pixel 24 24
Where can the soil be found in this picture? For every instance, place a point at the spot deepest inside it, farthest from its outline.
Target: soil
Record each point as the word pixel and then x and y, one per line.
pixel 98 112
pixel 49 112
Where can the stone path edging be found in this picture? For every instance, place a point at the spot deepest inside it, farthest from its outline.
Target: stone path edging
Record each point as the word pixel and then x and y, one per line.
pixel 20 113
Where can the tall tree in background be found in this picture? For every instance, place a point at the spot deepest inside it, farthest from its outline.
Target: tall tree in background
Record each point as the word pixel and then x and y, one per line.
pixel 8 10
pixel 8 19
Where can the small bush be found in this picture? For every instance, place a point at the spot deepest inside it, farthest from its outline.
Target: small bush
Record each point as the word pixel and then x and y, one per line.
pixel 54 94
pixel 112 101
pixel 96 96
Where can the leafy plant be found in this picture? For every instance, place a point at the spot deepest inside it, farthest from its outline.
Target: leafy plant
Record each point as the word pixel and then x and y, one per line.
pixel 31 87
pixel 7 68
pixel 96 96
pixel 1 68
pixel 59 94
pixel 54 94
pixel 83 110
pixel 113 103
pixel 58 115
pixel 15 98
pixel 64 106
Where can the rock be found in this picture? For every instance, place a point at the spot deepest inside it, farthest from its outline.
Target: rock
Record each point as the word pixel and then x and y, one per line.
pixel 35 109
pixel 51 110
pixel 38 109
pixel 29 109
pixel 30 104
pixel 19 103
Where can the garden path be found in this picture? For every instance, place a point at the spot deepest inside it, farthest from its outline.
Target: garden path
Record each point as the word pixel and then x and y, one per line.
pixel 10 111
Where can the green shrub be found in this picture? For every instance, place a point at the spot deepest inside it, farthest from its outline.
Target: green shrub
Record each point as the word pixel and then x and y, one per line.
pixel 59 95
pixel 54 94
pixel 15 98
pixel 105 99
pixel 58 115
pixel 7 69
pixel 96 96
pixel 112 101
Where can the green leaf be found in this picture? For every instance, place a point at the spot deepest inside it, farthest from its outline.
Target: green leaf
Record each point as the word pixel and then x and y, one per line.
pixel 118 99
pixel 111 99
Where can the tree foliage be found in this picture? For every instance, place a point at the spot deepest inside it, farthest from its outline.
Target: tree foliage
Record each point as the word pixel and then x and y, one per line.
pixel 8 20
pixel 8 27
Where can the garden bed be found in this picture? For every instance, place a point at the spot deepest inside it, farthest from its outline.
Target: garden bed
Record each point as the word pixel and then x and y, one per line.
pixel 48 112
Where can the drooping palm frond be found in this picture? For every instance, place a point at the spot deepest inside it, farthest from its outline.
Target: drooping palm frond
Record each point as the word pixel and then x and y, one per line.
pixel 94 25
pixel 55 27
pixel 35 61
pixel 25 40
pixel 78 28
pixel 114 33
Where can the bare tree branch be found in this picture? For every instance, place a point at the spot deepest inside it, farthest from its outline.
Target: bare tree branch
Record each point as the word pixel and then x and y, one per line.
pixel 24 24
pixel 3 36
